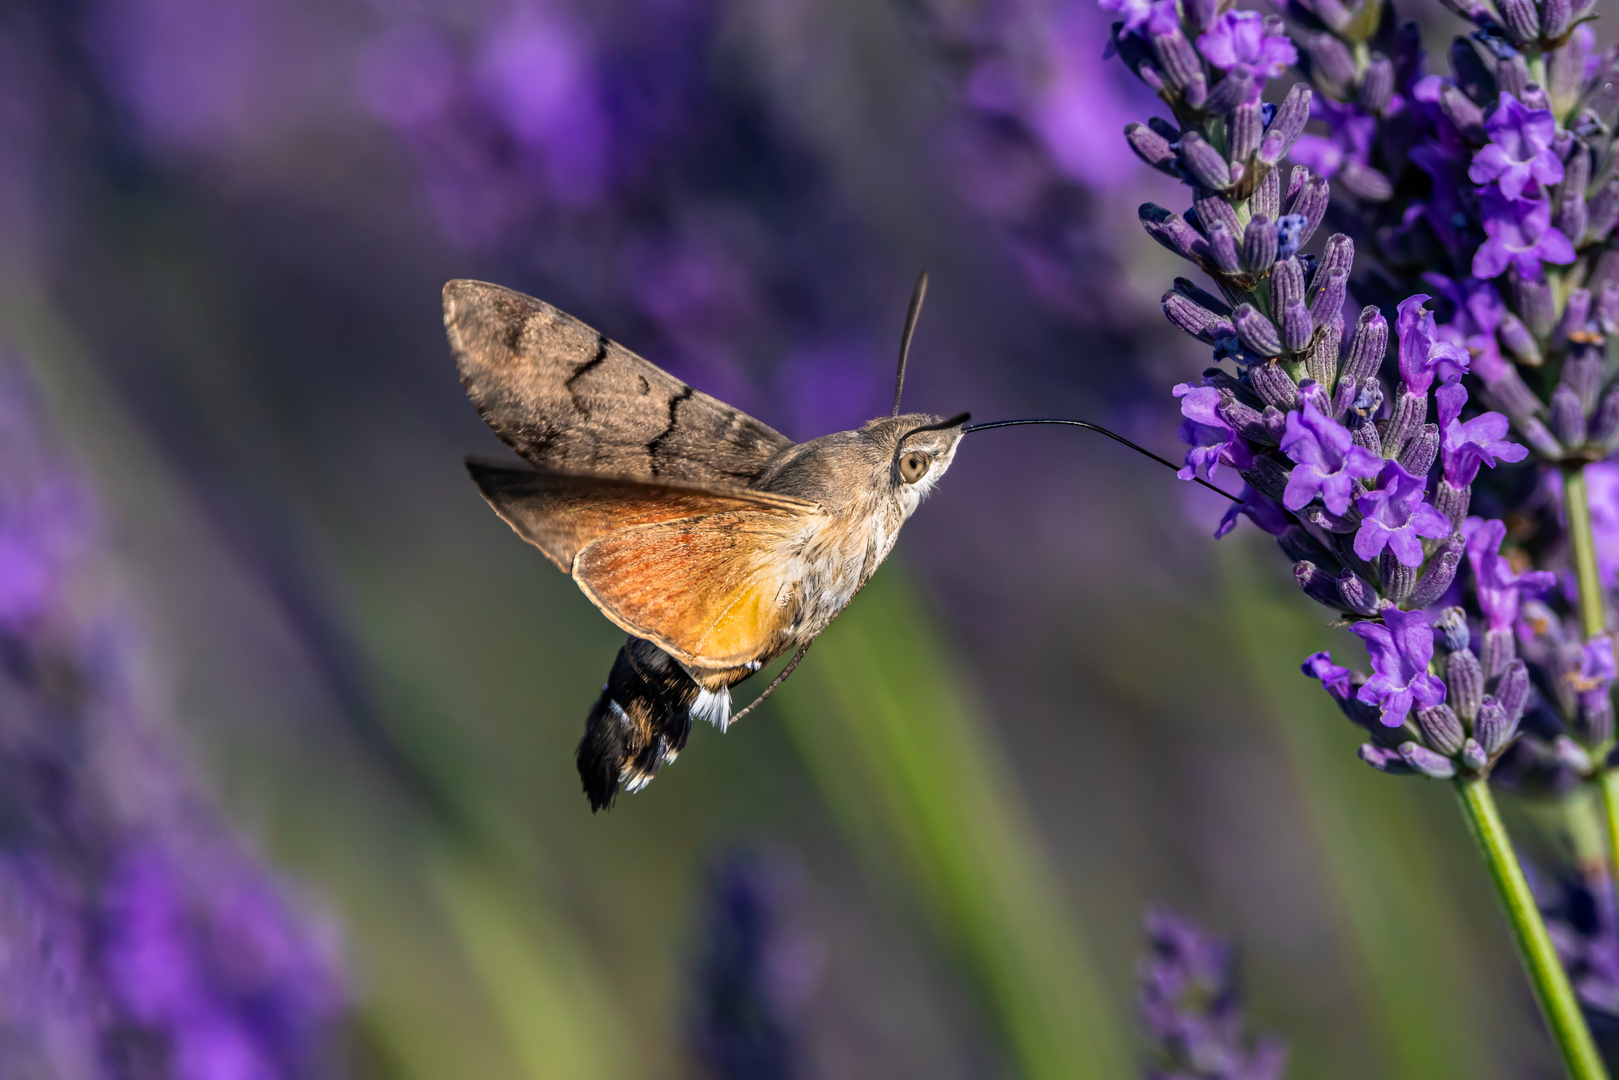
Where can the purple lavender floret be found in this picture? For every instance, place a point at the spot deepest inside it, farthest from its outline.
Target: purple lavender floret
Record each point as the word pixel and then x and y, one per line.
pixel 1134 12
pixel 1464 447
pixel 1397 518
pixel 1520 150
pixel 1328 463
pixel 1249 51
pixel 1423 353
pixel 1521 235
pixel 1500 589
pixel 1263 511
pixel 1351 134
pixel 1336 680
pixel 1400 649
pixel 1192 1011
pixel 1213 441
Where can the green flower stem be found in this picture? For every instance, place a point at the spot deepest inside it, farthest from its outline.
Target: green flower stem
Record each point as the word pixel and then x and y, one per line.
pixel 1592 616
pixel 1552 990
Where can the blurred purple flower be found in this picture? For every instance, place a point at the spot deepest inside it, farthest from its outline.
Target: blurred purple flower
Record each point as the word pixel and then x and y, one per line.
pixel 1192 1011
pixel 1396 517
pixel 1602 497
pixel 1521 235
pixel 132 915
pixel 1520 149
pixel 1328 461
pixel 1400 649
pixel 1583 919
pixel 1499 589
pixel 1213 441
pixel 1334 679
pixel 1134 12
pixel 1480 441
pixel 1422 353
pixel 1473 325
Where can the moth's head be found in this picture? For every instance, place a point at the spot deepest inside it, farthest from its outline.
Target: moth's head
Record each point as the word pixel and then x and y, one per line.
pixel 916 448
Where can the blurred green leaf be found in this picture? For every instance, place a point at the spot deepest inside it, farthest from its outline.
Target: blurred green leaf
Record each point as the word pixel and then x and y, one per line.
pixel 899 748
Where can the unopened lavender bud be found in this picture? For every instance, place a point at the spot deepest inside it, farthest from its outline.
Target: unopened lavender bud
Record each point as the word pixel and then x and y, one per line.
pixel 1203 162
pixel 1596 718
pixel 1568 418
pixel 1584 368
pixel 1605 429
pixel 1576 313
pixel 1257 333
pixel 1365 435
pixel 1330 289
pixel 1223 248
pixel 1317 584
pixel 1320 516
pixel 1172 231
pixel 1300 546
pixel 1398 580
pixel 1427 762
pixel 1244 127
pixel 1518 340
pixel 1440 728
pixel 1266 476
pixel 1464 676
pixel 1332 65
pixel 1535 97
pixel 1367 345
pixel 1555 17
pixel 1419 454
pixel 1356 595
pixel 1521 18
pixel 1512 75
pixel 1274 385
pixel 1150 147
pixel 1453 501
pixel 1602 97
pixel 1365 182
pixel 1177 60
pixel 1275 423
pixel 1565 66
pixel 1534 301
pixel 1603 212
pixel 1409 414
pixel 1247 420
pixel 1267 196
pixel 1573 215
pixel 1513 689
pixel 1344 399
pixel 1441 571
pixel 1195 319
pixel 1286 283
pixel 1493 728
pixel 1460 111
pixel 1539 437
pixel 1337 256
pixel 1452 627
pixel 1203 298
pixel 1607 307
pixel 1571 754
pixel 1588 125
pixel 1259 244
pixel 1320 356
pixel 1384 760
pixel 1473 756
pixel 1377 86
pixel 1309 202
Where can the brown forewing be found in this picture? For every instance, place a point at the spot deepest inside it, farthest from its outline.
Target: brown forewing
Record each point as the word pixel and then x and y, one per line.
pixel 569 400
pixel 560 513
pixel 715 592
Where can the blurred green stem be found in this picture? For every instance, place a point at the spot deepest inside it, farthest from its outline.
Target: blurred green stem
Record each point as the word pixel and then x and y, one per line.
pixel 1592 617
pixel 1552 990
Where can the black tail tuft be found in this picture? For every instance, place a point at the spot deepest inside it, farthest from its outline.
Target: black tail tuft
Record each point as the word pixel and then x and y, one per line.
pixel 638 725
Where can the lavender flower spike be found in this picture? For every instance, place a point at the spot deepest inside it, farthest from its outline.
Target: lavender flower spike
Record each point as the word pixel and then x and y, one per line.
pixel 1327 461
pixel 1191 1010
pixel 1520 150
pixel 1396 517
pixel 1480 441
pixel 1400 650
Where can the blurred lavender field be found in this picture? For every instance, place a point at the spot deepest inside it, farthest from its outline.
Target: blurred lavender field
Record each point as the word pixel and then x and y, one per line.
pixel 224 225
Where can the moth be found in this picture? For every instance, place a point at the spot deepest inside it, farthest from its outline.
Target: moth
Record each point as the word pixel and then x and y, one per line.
pixel 714 541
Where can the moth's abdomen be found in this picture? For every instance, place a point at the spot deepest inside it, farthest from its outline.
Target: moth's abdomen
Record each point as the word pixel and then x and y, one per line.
pixel 641 721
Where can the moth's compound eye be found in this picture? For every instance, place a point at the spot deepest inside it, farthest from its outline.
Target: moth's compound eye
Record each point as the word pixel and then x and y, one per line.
pixel 913 466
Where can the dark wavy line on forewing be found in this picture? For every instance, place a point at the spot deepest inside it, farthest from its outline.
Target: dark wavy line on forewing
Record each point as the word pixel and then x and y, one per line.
pixel 579 372
pixel 653 447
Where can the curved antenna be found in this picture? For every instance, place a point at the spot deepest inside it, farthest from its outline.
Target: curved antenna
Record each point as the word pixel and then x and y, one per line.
pixel 1112 435
pixel 918 294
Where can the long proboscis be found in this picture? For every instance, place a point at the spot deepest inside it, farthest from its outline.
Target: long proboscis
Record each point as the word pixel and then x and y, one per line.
pixel 918 294
pixel 1115 436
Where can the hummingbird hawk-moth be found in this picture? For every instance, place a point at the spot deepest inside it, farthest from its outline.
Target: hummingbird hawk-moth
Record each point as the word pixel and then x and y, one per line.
pixel 715 542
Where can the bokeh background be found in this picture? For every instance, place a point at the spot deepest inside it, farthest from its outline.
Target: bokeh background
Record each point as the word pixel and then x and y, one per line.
pixel 224 225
